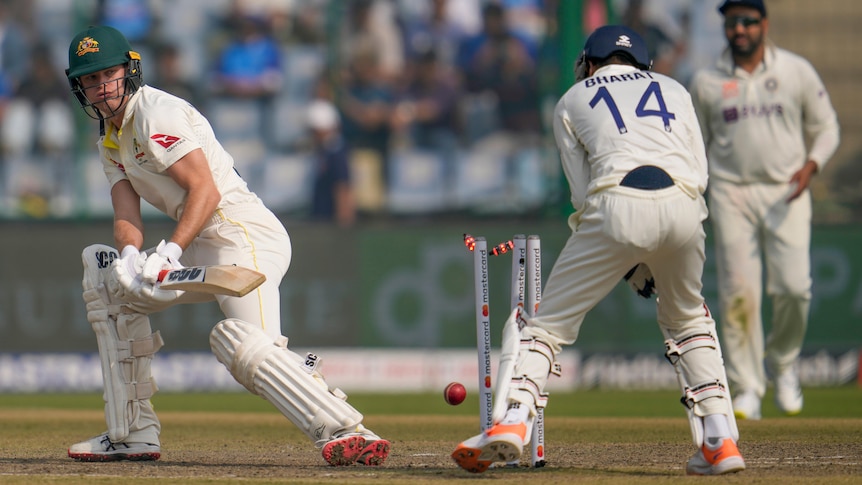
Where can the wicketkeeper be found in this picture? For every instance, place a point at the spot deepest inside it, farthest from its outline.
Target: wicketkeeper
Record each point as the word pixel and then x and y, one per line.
pixel 632 151
pixel 159 148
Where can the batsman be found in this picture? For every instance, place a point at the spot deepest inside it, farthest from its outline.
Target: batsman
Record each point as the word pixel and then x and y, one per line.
pixel 158 148
pixel 632 151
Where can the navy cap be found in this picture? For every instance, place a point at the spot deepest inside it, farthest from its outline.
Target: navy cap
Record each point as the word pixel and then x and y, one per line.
pixel 755 4
pixel 609 39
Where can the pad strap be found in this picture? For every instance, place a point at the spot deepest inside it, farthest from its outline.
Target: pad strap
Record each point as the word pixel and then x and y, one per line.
pixel 139 391
pixel 533 345
pixel 524 383
pixel 143 347
pixel 694 395
pixel 674 350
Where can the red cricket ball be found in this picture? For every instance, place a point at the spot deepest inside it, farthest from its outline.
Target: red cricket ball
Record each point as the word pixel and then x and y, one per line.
pixel 455 393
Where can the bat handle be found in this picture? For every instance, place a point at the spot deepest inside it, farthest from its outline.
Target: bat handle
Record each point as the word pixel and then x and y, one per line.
pixel 162 274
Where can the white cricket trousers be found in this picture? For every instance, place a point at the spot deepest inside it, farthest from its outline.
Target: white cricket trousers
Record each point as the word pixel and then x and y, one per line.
pixel 251 236
pixel 753 224
pixel 619 228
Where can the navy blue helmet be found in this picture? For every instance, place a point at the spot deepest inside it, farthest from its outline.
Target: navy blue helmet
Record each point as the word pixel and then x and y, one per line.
pixel 611 39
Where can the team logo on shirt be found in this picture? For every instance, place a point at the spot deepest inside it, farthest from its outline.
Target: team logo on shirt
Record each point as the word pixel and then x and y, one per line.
pixel 139 152
pixel 164 140
pixel 730 89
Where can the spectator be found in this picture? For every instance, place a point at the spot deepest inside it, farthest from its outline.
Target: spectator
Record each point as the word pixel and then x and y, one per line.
pixel 662 48
pixel 275 13
pixel 5 97
pixel 134 18
pixel 38 117
pixel 681 32
pixel 14 48
pixel 371 27
pixel 527 18
pixel 168 75
pixel 503 62
pixel 427 110
pixel 248 72
pixel 436 32
pixel 249 66
pixel 38 133
pixel 332 196
pixel 366 100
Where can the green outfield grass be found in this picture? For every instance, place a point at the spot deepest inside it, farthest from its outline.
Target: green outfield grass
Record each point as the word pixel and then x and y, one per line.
pixel 607 437
pixel 820 402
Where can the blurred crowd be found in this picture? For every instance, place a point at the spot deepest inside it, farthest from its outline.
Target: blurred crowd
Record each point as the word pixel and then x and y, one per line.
pixel 332 109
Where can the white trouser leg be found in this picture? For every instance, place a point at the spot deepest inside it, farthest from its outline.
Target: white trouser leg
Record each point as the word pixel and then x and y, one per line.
pixel 736 219
pixel 787 244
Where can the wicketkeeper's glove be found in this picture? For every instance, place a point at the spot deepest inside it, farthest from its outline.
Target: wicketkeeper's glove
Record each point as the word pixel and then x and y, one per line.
pixel 641 281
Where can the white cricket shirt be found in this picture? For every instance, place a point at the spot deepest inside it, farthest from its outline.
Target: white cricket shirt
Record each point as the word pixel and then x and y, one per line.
pixel 157 130
pixel 622 118
pixel 754 124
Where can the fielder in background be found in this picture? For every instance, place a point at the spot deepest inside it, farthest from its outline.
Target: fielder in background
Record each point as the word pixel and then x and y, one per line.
pixel 636 164
pixel 159 148
pixel 756 106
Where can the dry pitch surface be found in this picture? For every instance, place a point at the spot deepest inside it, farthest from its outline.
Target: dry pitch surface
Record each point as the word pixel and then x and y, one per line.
pixel 262 447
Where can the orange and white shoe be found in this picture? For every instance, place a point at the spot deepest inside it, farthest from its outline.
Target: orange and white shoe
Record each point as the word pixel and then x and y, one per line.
pixel 501 442
pixel 716 460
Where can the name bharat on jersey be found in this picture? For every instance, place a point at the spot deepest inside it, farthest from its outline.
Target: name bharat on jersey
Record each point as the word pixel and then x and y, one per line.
pixel 634 76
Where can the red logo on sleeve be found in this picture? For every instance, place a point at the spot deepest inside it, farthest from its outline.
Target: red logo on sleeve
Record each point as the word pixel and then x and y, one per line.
pixel 164 140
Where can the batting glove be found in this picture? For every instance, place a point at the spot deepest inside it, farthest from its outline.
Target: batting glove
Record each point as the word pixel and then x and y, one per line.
pixel 132 260
pixel 641 281
pixel 128 285
pixel 167 256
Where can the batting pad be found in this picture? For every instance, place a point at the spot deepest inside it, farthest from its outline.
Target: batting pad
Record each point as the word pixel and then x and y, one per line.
pixel 696 357
pixel 126 346
pixel 508 358
pixel 535 363
pixel 267 368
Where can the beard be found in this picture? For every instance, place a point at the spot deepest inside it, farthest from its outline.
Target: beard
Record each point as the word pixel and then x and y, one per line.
pixel 746 49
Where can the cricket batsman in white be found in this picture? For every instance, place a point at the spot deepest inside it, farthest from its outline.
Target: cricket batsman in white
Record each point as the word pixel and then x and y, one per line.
pixel 634 157
pixel 159 148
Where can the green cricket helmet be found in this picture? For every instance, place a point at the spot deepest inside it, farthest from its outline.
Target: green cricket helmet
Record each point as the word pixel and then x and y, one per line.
pixel 99 48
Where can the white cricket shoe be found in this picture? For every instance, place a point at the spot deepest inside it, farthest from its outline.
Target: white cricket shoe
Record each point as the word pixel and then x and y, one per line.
pixel 101 448
pixel 788 393
pixel 746 405
pixel 501 442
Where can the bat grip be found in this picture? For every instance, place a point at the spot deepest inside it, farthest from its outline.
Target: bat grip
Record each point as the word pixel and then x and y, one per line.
pixel 162 274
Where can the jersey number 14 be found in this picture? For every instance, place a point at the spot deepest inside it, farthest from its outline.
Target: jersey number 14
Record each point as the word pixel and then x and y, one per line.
pixel 652 91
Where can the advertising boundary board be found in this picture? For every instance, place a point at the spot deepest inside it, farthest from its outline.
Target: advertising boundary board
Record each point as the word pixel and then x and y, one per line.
pixel 385 286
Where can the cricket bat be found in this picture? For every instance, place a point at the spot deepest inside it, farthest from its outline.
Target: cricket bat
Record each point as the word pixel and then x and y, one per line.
pixel 216 279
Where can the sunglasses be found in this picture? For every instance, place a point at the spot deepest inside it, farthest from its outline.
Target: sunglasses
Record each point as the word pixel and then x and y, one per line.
pixel 732 22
